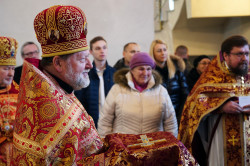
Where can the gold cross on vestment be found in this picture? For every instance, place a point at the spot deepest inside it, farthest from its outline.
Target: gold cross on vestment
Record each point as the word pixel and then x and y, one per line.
pixel 233 140
pixel 146 142
pixel 69 17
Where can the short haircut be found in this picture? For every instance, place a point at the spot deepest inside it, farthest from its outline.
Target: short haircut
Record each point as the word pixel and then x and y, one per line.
pixel 233 41
pixel 126 45
pixel 47 61
pixel 28 43
pixel 96 39
pixel 181 49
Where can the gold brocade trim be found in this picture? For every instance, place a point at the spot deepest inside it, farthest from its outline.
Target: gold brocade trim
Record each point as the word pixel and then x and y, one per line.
pixel 201 117
pixel 98 159
pixel 226 96
pixel 233 140
pixel 242 140
pixel 61 30
pixel 8 50
pixel 231 85
pixel 40 29
pixel 219 62
pixel 44 148
pixel 246 132
pixel 28 145
pixel 203 95
pixel 50 19
pixel 208 94
pixel 146 142
pixel 71 24
pixel 61 128
pixel 63 49
pixel 8 62
pixel 16 86
pixel 11 97
pixel 222 85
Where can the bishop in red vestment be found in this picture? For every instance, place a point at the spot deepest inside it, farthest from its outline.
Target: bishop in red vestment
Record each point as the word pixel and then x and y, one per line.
pixel 8 97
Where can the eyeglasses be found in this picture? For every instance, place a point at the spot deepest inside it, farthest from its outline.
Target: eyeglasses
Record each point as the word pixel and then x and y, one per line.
pixel 240 54
pixel 31 53
pixel 205 63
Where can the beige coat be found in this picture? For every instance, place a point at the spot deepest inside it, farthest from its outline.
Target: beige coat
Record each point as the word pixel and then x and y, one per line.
pixel 126 110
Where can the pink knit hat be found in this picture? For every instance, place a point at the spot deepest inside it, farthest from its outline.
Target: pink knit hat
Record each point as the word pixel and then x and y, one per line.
pixel 140 59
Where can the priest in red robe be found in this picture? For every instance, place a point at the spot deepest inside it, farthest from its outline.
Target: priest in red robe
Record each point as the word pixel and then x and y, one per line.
pixel 8 97
pixel 215 118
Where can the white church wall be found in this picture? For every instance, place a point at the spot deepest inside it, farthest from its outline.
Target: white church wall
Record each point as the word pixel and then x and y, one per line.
pixel 118 21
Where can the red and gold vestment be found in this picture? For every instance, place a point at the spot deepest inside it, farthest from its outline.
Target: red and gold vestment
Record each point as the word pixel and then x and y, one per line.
pixel 8 101
pixel 159 148
pixel 52 127
pixel 214 88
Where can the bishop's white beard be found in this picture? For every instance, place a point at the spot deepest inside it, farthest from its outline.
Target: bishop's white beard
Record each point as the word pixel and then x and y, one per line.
pixel 6 81
pixel 77 80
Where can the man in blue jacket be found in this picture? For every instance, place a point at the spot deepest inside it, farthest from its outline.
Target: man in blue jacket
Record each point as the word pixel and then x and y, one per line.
pixel 101 79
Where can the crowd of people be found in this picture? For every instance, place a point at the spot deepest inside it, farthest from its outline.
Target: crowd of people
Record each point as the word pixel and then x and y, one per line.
pixel 65 110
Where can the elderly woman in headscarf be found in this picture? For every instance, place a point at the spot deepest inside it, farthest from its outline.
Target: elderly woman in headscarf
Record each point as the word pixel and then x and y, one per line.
pixel 200 65
pixel 137 103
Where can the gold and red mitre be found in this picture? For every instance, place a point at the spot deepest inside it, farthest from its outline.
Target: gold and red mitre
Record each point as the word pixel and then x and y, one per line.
pixel 61 30
pixel 8 49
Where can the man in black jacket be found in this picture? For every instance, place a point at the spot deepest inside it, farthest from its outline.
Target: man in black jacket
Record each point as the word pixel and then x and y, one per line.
pixel 182 51
pixel 129 50
pixel 28 50
pixel 101 79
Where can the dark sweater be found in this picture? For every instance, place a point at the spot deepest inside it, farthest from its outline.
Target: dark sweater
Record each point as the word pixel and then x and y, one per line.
pixel 192 78
pixel 17 75
pixel 120 64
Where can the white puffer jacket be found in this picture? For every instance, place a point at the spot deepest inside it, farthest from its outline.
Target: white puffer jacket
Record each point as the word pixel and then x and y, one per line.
pixel 128 111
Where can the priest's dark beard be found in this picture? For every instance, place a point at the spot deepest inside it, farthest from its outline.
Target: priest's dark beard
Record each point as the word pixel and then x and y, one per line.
pixel 241 69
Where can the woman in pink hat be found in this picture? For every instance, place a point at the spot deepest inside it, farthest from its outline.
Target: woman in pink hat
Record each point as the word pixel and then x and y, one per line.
pixel 137 103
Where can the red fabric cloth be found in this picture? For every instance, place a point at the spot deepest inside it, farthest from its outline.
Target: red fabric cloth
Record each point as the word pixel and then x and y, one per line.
pixel 117 151
pixel 35 62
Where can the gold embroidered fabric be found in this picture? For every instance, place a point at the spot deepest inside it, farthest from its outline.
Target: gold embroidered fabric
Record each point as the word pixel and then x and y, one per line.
pixel 8 102
pixel 215 86
pixel 61 30
pixel 158 148
pixel 8 50
pixel 52 127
